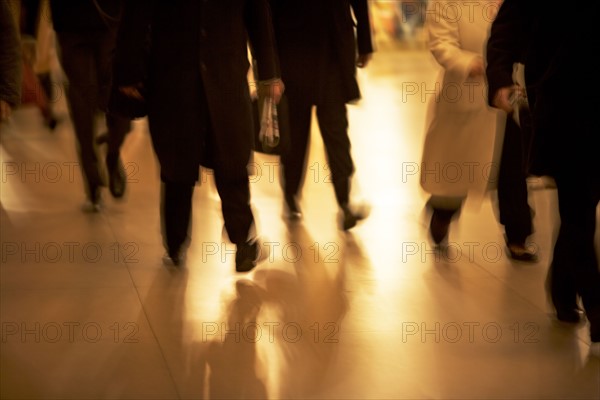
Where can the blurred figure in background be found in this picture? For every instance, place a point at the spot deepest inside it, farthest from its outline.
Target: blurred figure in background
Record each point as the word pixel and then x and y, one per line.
pixel 10 62
pixel 86 32
pixel 412 14
pixel 318 48
pixel 462 129
pixel 39 52
pixel 565 134
pixel 189 61
pixel 397 20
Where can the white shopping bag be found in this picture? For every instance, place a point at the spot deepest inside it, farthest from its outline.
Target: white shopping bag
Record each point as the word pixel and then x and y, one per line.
pixel 269 125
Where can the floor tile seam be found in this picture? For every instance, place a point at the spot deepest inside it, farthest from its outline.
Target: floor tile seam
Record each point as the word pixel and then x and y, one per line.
pixel 144 311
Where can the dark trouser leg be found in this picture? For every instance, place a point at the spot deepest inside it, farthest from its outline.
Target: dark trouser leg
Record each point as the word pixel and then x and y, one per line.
pixel 513 206
pixel 333 123
pixel 117 129
pixel 48 92
pixel 117 126
pixel 78 62
pixel 176 210
pixel 46 83
pixel 443 210
pixel 235 202
pixel 574 268
pixel 294 160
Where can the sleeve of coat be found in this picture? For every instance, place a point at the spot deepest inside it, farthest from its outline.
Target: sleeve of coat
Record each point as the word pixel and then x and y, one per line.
pixel 505 46
pixel 130 65
pixel 10 57
pixel 443 38
pixel 259 26
pixel 360 8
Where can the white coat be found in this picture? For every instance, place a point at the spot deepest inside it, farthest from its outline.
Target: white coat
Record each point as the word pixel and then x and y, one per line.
pixel 459 154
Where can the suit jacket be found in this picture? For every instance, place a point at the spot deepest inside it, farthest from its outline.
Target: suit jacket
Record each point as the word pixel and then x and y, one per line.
pixel 193 56
pixel 314 35
pixel 560 74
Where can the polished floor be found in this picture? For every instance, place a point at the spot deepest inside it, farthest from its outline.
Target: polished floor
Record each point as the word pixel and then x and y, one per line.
pixel 89 311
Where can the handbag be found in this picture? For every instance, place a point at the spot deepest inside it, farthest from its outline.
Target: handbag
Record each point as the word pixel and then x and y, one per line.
pixel 522 117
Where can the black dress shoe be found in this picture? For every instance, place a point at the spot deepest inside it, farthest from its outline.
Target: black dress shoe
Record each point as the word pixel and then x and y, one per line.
pixel 569 315
pixel 439 224
pixel 246 256
pixel 519 252
pixel 93 201
pixel 173 258
pixel 351 216
pixel 175 254
pixel 51 123
pixel 292 211
pixel 116 175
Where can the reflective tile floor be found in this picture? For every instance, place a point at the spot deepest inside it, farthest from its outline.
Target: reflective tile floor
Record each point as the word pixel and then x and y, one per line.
pixel 89 311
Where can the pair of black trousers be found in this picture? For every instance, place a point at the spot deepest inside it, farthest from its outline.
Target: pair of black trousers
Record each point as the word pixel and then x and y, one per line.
pixel 176 210
pixel 574 269
pixel 513 206
pixel 86 58
pixel 233 188
pixel 333 123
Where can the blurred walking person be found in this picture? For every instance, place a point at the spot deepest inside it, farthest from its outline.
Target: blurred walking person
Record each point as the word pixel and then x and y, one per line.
pixel 86 32
pixel 565 136
pixel 188 60
pixel 320 44
pixel 461 129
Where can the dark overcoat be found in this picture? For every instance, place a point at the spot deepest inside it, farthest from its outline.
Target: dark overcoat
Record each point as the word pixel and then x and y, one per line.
pixel 561 76
pixel 312 33
pixel 191 53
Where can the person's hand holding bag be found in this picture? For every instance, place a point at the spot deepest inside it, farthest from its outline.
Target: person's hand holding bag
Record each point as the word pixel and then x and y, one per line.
pixel 273 88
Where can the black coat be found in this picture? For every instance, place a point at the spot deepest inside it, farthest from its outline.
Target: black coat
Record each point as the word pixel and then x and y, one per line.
pixel 561 70
pixel 84 15
pixel 311 34
pixel 188 50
